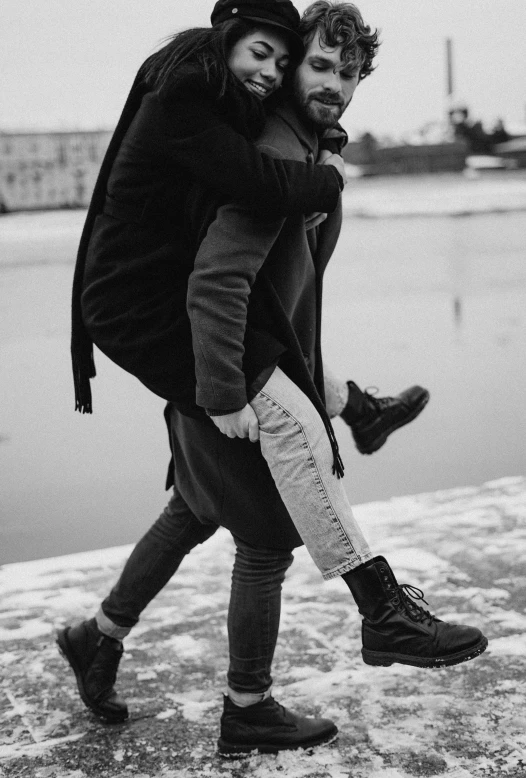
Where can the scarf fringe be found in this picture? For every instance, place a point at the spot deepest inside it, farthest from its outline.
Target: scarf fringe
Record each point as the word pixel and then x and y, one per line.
pixel 338 468
pixel 83 371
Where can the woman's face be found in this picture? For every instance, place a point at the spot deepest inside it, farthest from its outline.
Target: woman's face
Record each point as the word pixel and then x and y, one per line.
pixel 259 60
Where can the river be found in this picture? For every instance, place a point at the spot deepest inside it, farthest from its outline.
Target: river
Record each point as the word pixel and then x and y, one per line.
pixel 438 300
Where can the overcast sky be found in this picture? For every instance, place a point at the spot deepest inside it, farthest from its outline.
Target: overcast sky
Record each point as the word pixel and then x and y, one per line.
pixel 68 64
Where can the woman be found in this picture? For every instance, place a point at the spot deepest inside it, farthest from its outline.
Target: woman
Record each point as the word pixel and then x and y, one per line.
pixel 188 119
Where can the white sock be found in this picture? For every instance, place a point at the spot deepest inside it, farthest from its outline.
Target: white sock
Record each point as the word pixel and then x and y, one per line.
pixel 245 699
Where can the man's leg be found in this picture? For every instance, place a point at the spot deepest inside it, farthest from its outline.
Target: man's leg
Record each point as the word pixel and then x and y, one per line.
pixel 152 563
pixel 252 719
pixel 371 419
pixel 296 447
pixel 94 648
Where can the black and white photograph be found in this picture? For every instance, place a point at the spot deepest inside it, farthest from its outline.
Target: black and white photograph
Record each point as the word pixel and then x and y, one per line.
pixel 263 381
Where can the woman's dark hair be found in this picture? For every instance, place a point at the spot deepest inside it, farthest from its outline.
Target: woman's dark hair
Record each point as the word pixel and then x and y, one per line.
pixel 208 47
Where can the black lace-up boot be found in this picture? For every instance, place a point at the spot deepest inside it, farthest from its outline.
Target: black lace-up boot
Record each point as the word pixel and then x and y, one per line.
pixel 396 629
pixel 95 659
pixel 268 727
pixel 372 419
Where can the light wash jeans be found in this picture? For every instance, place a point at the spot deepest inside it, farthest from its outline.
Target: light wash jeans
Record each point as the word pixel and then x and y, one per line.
pixel 297 450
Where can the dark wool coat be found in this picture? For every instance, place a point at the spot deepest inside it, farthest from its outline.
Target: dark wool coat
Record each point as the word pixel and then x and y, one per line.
pixel 135 254
pixel 267 275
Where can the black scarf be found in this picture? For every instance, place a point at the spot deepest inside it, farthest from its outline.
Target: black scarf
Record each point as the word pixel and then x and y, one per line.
pixel 81 344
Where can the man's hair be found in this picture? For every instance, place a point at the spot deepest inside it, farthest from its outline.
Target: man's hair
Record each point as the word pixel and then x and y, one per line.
pixel 341 24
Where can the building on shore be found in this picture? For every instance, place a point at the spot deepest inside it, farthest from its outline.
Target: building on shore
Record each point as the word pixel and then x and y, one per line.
pixel 41 170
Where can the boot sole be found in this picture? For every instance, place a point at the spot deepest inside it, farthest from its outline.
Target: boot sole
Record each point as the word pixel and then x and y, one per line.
pixel 381 439
pixel 386 659
pixel 67 653
pixel 232 751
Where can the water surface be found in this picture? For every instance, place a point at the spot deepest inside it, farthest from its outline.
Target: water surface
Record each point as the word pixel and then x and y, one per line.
pixel 439 301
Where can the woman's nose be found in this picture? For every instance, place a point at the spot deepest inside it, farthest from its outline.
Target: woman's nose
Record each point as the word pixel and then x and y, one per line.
pixel 269 71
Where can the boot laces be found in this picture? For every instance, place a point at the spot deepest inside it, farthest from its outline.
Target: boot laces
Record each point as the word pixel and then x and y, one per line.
pixel 408 595
pixel 378 404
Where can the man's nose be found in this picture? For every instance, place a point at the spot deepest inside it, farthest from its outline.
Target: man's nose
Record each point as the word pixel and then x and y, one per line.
pixel 332 82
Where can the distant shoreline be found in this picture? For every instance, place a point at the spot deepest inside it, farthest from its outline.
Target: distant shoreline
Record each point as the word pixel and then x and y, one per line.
pixel 375 197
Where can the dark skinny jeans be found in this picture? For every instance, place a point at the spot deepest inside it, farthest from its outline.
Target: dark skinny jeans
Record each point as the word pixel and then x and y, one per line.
pixel 255 598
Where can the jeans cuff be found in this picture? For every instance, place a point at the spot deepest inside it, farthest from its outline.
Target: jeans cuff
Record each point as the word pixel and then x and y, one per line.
pixel 346 567
pixel 108 628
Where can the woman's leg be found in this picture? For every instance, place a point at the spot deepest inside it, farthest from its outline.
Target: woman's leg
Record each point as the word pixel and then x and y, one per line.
pixel 336 393
pixel 395 628
pixel 371 419
pixel 295 445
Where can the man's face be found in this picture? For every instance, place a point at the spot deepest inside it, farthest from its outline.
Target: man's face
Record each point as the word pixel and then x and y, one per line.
pixel 323 84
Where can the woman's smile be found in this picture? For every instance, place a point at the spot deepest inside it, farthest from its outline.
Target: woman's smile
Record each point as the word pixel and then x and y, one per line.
pixel 262 90
pixel 259 61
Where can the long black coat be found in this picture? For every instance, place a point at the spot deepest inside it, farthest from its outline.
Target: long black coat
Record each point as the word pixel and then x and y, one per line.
pixel 134 258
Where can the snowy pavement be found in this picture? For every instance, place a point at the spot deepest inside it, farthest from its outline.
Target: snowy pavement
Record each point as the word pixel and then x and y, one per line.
pixel 465 547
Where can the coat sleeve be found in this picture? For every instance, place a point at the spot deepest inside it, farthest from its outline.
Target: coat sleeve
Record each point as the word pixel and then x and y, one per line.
pixel 229 258
pixel 202 141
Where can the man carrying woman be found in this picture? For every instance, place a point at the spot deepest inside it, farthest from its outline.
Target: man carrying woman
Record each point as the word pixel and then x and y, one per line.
pixel 243 364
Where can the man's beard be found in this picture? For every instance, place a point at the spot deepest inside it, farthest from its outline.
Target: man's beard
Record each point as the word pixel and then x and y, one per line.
pixel 321 117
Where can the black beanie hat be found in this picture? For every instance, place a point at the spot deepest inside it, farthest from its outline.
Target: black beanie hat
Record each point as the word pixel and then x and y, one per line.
pixel 276 13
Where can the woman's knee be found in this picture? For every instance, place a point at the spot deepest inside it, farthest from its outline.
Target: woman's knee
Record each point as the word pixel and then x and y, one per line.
pixel 283 404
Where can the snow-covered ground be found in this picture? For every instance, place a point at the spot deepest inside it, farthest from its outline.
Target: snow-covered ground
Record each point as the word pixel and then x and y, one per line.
pixel 466 548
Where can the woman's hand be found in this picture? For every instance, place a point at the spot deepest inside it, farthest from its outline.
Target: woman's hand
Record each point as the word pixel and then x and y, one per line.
pixel 241 424
pixel 314 219
pixel 325 157
pixel 337 162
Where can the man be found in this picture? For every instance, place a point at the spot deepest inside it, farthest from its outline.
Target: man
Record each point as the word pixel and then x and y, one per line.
pixel 224 480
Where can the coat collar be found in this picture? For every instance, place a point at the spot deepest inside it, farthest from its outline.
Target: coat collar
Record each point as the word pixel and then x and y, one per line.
pixel 286 109
pixel 288 112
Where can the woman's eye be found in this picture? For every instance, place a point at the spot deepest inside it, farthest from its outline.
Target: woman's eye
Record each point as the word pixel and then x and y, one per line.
pixel 259 54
